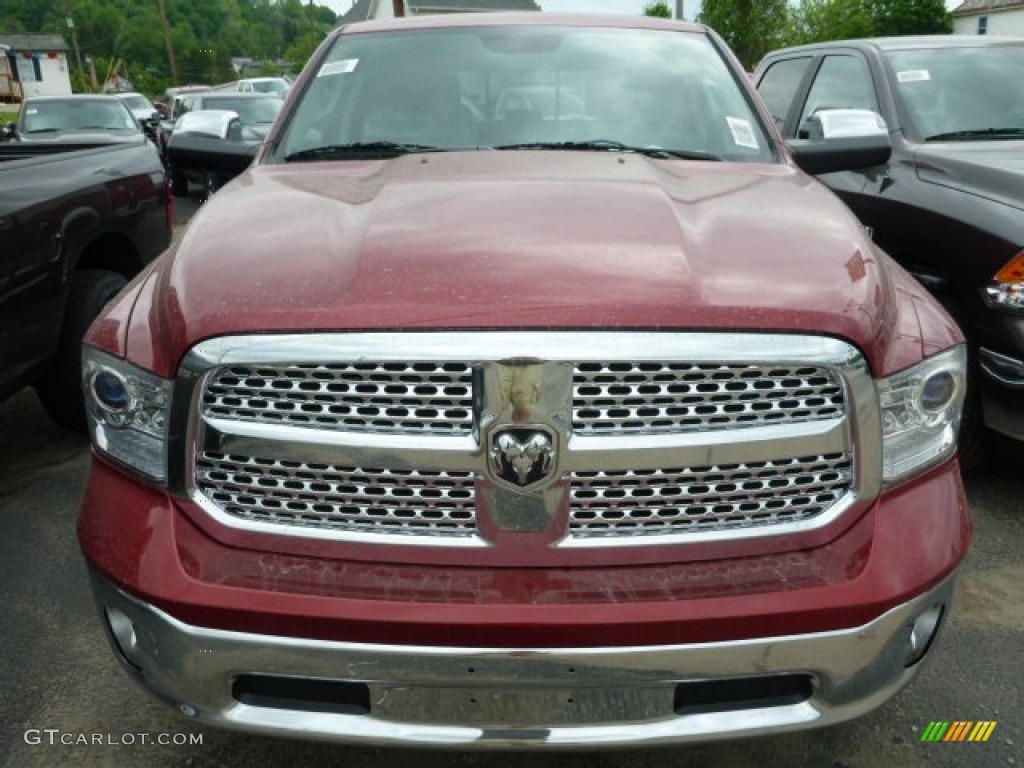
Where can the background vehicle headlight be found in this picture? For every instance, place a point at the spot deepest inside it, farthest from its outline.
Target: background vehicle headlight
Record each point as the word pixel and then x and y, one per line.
pixel 127 409
pixel 1007 287
pixel 921 409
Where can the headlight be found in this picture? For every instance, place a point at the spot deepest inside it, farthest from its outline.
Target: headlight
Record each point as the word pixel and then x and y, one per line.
pixel 127 409
pixel 921 409
pixel 1006 289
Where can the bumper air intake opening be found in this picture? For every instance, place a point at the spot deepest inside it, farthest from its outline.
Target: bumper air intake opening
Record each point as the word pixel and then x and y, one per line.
pixel 303 693
pixel 743 693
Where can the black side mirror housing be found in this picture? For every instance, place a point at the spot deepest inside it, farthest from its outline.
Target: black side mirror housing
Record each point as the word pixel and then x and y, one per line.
pixel 815 156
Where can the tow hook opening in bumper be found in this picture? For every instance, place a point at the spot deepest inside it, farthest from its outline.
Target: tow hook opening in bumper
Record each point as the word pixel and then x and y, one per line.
pixel 303 694
pixel 707 697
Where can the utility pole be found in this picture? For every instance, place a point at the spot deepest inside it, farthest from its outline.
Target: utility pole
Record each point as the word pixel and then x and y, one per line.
pixel 74 42
pixel 92 74
pixel 679 10
pixel 312 30
pixel 399 6
pixel 170 46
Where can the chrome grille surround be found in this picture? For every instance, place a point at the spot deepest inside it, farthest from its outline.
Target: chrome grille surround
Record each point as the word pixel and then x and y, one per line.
pixel 852 433
pixel 631 398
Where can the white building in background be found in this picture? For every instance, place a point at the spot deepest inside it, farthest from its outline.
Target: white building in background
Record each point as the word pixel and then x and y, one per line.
pixel 34 65
pixel 989 17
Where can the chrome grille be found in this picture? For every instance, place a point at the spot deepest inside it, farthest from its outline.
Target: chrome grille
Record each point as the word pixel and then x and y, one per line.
pixel 662 437
pixel 651 398
pixel 339 498
pixel 713 498
pixel 396 398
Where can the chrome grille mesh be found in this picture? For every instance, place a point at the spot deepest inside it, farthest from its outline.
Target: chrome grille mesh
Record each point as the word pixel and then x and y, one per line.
pixel 712 498
pixel 651 398
pixel 340 498
pixel 397 398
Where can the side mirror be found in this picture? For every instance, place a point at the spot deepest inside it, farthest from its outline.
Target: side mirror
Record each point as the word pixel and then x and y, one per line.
pixel 834 140
pixel 828 124
pixel 9 131
pixel 845 154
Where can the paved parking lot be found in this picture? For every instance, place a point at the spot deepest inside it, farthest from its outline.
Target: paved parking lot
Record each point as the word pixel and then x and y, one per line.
pixel 61 690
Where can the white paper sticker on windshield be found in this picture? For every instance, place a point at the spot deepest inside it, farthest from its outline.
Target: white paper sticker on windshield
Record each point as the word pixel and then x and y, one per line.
pixel 742 133
pixel 31 111
pixel 913 75
pixel 338 67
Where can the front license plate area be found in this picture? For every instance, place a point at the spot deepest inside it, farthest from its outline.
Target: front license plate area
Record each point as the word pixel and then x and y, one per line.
pixel 521 707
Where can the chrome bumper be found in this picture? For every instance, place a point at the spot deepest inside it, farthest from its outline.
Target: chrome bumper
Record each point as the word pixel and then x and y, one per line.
pixel 501 698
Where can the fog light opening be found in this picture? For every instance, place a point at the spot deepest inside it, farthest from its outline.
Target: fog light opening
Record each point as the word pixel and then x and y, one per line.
pixel 122 629
pixel 922 633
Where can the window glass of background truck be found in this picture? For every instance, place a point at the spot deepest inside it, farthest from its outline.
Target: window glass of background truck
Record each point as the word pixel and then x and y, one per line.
pixel 779 84
pixel 946 90
pixel 842 82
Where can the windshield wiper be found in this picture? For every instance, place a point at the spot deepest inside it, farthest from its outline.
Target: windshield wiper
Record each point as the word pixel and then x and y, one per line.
pixel 608 145
pixel 42 130
pixel 370 148
pixel 981 133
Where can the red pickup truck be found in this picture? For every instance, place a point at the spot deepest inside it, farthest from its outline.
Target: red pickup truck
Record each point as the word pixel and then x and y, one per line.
pixel 526 392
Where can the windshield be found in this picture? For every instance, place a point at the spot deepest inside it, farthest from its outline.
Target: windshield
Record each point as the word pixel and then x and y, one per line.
pixel 962 93
pixel 74 116
pixel 250 111
pixel 526 87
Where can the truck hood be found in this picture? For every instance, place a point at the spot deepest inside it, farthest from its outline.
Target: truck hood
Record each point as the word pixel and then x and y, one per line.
pixel 989 169
pixel 510 240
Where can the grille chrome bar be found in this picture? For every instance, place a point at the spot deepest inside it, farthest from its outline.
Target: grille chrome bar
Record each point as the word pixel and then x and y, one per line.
pixel 759 443
pixel 288 443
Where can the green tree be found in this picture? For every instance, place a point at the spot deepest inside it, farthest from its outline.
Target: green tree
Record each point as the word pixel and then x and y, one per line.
pixel 206 35
pixel 750 27
pixel 659 9
pixel 816 20
pixel 909 17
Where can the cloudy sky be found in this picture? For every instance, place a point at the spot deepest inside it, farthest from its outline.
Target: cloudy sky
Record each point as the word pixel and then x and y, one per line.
pixel 630 7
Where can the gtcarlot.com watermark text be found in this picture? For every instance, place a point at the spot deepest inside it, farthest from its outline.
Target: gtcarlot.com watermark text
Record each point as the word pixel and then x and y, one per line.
pixel 57 737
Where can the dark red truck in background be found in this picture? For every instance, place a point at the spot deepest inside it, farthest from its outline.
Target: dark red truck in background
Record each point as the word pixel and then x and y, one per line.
pixel 525 392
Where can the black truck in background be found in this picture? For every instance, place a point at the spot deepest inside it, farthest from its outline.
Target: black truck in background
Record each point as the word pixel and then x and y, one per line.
pixel 949 204
pixel 77 221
